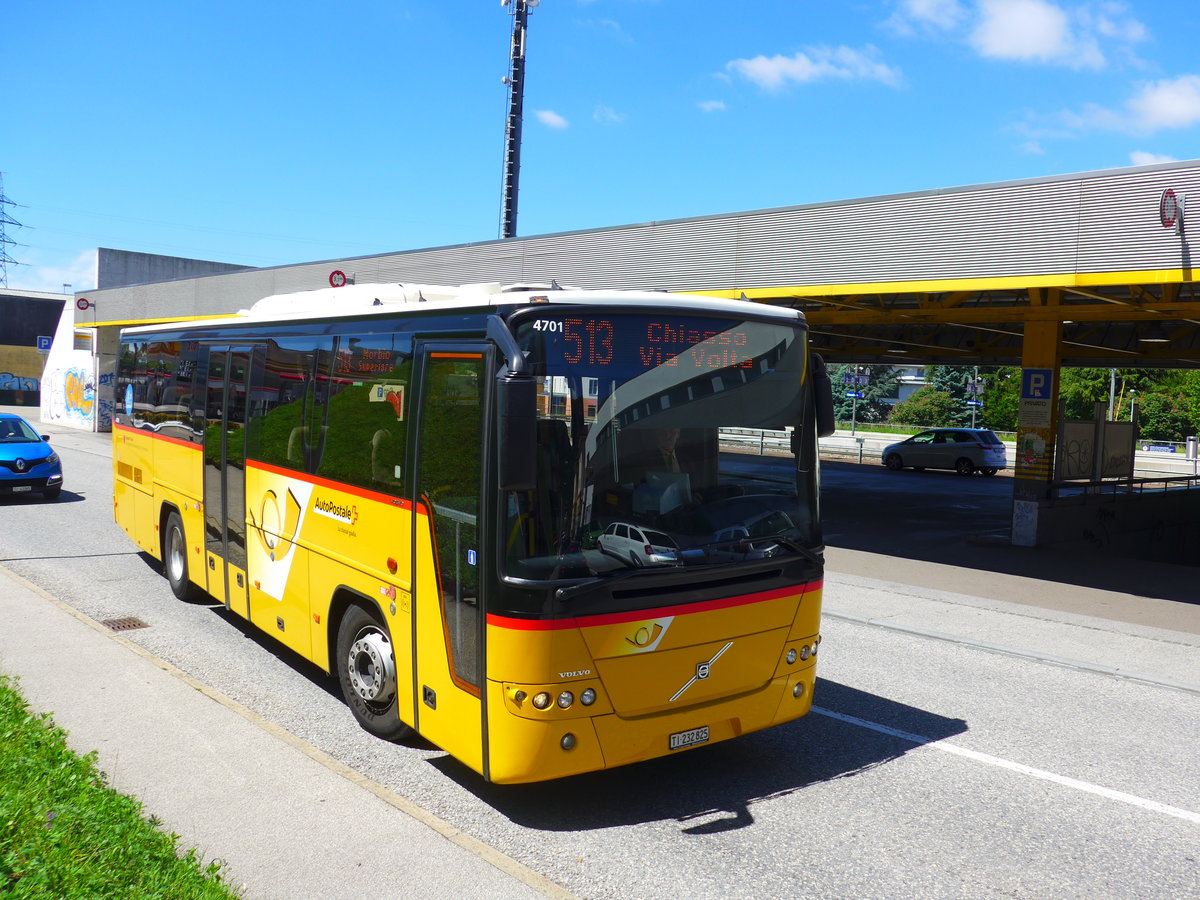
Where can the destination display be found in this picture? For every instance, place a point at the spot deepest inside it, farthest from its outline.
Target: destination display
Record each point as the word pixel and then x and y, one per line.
pixel 632 343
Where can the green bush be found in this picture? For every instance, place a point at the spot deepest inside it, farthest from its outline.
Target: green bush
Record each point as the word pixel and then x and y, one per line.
pixel 928 408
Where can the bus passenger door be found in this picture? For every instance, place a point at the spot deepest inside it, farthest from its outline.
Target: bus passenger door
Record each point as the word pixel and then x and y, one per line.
pixel 225 477
pixel 448 543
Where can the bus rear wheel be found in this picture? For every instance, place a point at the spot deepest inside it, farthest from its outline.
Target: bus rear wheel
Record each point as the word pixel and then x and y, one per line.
pixel 174 556
pixel 366 668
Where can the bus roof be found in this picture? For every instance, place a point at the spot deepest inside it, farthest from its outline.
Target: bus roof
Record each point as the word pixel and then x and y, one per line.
pixel 386 299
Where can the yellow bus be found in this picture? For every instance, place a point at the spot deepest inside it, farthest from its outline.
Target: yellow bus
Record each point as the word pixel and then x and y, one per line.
pixel 508 520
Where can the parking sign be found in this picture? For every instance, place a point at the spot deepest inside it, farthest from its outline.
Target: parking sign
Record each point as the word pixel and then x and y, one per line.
pixel 1036 384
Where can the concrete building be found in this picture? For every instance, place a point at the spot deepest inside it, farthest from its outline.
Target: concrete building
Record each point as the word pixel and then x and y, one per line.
pixel 28 320
pixel 78 361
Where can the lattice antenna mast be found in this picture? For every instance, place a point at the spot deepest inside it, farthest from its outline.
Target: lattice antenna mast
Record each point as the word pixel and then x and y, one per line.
pixel 5 240
pixel 515 79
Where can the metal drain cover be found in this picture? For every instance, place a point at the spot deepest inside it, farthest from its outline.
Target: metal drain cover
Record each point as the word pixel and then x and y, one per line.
pixel 127 623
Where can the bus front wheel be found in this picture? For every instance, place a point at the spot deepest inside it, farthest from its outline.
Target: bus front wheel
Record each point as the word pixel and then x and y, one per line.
pixel 366 668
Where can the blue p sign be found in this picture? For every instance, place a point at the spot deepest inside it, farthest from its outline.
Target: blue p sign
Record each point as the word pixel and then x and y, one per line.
pixel 1035 384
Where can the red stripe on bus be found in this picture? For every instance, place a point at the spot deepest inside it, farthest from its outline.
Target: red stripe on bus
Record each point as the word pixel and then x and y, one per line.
pixel 456 355
pixel 158 437
pixel 327 483
pixel 637 615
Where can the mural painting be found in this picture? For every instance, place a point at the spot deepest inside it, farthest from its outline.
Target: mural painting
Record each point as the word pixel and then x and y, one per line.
pixel 72 396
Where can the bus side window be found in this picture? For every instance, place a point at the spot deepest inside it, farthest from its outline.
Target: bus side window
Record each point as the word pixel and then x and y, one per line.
pixel 366 427
pixel 280 429
pixel 132 381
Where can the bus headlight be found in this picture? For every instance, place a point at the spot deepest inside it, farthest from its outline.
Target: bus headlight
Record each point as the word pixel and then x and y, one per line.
pixel 791 655
pixel 588 697
pixel 565 699
pixel 541 701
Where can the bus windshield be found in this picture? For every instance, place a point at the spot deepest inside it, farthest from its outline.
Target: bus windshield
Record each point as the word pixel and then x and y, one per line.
pixel 650 447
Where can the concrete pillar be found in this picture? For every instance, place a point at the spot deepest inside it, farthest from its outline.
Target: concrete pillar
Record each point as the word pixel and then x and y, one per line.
pixel 1037 421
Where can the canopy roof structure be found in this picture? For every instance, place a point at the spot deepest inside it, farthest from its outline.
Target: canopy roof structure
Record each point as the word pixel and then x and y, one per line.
pixel 951 276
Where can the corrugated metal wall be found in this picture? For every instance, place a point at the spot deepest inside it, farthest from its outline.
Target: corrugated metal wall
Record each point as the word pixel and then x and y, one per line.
pixel 1094 222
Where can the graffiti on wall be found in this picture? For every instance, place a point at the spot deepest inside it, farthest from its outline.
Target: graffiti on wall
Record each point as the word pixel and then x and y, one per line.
pixel 104 411
pixel 11 382
pixel 72 395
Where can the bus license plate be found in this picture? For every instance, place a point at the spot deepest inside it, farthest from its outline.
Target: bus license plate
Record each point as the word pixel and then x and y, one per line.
pixel 688 738
pixel 22 487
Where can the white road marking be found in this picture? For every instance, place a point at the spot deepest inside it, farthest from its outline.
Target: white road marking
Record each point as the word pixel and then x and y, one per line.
pixel 931 744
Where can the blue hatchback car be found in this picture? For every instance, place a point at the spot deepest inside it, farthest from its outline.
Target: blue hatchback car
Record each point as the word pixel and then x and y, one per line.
pixel 27 462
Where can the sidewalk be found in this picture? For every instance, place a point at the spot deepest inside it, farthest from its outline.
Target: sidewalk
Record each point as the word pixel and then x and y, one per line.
pixel 1140 638
pixel 287 820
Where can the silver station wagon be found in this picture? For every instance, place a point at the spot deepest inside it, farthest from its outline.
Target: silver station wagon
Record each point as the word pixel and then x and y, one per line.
pixel 965 450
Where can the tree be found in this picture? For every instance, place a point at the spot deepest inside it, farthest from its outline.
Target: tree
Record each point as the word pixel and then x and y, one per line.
pixel 953 380
pixel 1081 389
pixel 882 383
pixel 1002 398
pixel 999 409
pixel 1166 415
pixel 927 408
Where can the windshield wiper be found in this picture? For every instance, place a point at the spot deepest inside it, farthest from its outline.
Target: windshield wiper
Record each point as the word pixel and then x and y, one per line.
pixel 795 546
pixel 748 546
pixel 566 593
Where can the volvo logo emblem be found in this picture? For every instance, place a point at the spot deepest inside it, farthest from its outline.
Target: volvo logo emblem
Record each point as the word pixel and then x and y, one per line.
pixel 703 670
pixel 20 465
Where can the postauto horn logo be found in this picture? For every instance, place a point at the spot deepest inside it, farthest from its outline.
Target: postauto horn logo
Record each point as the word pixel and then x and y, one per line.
pixel 334 510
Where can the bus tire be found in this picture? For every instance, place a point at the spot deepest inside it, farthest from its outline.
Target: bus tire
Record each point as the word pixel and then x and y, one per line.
pixel 366 669
pixel 175 561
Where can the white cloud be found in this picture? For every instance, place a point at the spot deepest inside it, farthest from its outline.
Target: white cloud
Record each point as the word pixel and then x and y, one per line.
pixel 1029 31
pixel 1033 148
pixel 1111 22
pixel 1160 105
pixel 607 28
pixel 709 106
pixel 1167 104
pixel 79 273
pixel 815 64
pixel 1142 158
pixel 551 119
pixel 1033 31
pixel 607 115
pixel 929 15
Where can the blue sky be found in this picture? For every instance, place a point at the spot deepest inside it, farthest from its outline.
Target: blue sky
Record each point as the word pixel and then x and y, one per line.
pixel 267 133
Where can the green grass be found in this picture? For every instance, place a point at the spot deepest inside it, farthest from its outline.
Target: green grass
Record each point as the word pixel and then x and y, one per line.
pixel 65 834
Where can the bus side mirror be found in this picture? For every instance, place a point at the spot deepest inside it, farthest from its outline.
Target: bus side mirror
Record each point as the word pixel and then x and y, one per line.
pixel 516 432
pixel 822 389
